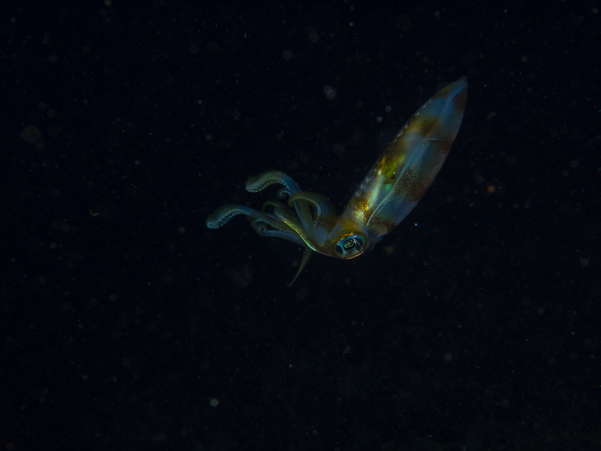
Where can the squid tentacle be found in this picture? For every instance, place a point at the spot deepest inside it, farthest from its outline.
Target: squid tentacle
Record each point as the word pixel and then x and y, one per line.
pixel 278 230
pixel 287 216
pixel 268 178
pixel 223 214
pixel 324 209
pixel 306 256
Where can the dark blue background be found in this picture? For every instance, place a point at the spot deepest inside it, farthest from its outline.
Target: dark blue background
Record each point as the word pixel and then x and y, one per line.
pixel 123 316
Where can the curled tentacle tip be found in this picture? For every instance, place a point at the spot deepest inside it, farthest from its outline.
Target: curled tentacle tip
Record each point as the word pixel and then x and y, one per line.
pixel 212 223
pixel 284 192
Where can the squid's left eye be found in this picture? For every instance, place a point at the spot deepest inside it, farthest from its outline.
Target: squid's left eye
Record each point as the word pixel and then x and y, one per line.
pixel 350 245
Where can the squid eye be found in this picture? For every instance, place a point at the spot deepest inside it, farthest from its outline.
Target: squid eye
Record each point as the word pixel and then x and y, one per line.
pixel 350 245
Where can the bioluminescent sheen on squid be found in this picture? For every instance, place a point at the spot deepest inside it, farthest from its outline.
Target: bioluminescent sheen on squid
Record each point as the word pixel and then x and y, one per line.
pixel 396 182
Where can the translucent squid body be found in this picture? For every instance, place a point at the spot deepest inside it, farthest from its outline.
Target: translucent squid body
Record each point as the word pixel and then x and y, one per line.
pixel 396 182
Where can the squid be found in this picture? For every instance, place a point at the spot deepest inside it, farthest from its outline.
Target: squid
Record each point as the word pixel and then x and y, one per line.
pixel 391 189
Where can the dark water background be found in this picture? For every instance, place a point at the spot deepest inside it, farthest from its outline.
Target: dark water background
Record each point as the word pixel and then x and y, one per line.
pixel 127 324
